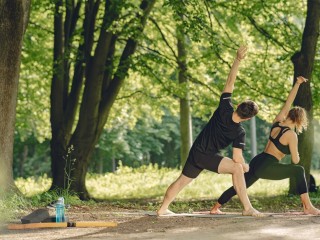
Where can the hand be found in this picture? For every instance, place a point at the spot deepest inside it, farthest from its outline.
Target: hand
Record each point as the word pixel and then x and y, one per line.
pixel 245 167
pixel 301 79
pixel 241 53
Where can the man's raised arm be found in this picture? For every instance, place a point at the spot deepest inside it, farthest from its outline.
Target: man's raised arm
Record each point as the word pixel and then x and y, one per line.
pixel 241 53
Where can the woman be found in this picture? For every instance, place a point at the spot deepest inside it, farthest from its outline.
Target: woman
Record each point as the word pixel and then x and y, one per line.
pixel 282 140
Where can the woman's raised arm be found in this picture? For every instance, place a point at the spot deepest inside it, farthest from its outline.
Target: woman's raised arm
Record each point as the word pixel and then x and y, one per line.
pixel 293 93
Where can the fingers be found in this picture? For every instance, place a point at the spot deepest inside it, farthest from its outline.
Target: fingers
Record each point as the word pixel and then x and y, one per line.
pixel 243 48
pixel 241 53
pixel 301 79
pixel 245 167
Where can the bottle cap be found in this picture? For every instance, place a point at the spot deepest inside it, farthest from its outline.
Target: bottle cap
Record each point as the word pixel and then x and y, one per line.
pixel 60 200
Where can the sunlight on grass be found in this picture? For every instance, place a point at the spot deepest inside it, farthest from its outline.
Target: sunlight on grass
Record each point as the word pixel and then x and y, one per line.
pixel 144 182
pixel 152 182
pixel 212 185
pixel 33 185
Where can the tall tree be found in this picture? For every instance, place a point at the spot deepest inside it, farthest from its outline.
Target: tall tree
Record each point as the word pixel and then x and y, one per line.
pixel 185 112
pixel 101 63
pixel 303 62
pixel 13 22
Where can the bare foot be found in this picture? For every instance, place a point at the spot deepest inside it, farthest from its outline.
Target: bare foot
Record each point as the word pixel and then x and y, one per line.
pixel 312 210
pixel 165 212
pixel 217 211
pixel 252 212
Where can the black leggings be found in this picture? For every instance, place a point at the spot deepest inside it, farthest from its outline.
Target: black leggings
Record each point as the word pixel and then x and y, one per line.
pixel 266 166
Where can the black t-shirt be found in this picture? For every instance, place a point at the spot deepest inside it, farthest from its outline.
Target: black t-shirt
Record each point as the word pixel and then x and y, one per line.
pixel 221 130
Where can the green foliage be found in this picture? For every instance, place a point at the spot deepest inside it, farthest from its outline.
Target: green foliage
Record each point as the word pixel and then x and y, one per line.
pixel 30 157
pixel 142 126
pixel 214 29
pixel 35 77
pixel 15 205
pixel 44 198
pixel 69 167
pixel 150 141
pixel 12 204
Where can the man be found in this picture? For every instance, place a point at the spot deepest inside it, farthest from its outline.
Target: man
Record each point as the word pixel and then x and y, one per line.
pixel 223 128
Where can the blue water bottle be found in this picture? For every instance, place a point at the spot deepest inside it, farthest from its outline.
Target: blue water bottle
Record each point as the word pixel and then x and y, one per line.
pixel 60 210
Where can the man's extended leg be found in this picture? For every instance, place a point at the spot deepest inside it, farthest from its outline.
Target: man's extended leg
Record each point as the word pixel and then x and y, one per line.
pixel 172 192
pixel 229 166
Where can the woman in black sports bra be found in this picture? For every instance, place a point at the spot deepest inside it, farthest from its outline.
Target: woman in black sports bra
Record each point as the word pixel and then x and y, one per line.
pixel 283 140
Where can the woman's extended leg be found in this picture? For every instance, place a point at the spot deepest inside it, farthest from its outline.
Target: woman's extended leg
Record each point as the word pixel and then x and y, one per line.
pixel 308 208
pixel 229 166
pixel 250 179
pixel 278 171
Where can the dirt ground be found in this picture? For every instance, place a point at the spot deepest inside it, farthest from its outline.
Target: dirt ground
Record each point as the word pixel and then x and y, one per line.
pixel 136 224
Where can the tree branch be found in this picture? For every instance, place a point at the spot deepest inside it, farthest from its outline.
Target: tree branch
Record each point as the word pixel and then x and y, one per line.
pixel 164 38
pixel 38 26
pixel 266 33
pixel 137 92
pixel 224 30
pixel 248 85
pixel 208 12
pixel 196 81
pixel 158 53
pixel 156 76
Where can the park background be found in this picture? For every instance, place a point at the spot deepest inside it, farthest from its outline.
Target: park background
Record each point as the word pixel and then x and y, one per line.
pixel 115 92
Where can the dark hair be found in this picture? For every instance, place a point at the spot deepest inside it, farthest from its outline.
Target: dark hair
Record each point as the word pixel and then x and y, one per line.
pixel 247 109
pixel 298 116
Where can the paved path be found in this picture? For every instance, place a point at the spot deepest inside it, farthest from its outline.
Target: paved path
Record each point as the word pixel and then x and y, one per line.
pixel 296 227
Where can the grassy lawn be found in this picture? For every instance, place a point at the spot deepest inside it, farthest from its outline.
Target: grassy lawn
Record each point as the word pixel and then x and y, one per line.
pixel 143 188
pixel 151 182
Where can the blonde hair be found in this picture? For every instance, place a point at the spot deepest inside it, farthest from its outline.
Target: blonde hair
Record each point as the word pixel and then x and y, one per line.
pixel 298 116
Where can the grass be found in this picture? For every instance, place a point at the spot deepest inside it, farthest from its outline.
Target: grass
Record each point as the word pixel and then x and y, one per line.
pixel 151 182
pixel 143 188
pixel 12 204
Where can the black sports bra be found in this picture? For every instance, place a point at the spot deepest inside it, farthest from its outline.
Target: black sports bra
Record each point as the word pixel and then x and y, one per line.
pixel 282 148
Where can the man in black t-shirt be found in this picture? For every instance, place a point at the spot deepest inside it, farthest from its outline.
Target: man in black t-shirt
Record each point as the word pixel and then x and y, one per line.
pixel 224 128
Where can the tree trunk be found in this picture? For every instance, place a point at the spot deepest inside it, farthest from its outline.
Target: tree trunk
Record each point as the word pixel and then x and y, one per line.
pixel 303 62
pixel 253 137
pixel 13 21
pixel 185 115
pixel 101 80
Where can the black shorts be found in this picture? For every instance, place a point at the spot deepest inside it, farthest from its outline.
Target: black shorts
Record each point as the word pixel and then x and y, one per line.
pixel 197 161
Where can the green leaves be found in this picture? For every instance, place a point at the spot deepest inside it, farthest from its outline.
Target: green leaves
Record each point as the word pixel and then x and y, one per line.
pixel 214 29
